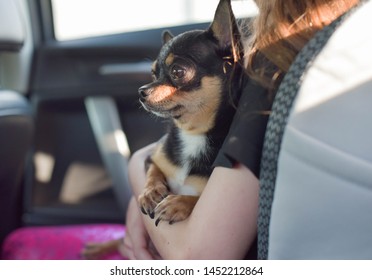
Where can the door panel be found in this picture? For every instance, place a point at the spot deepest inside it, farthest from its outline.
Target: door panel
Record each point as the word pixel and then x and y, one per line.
pixel 72 181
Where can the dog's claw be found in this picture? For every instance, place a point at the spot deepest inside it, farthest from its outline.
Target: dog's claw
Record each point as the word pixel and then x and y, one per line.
pixel 157 221
pixel 152 215
pixel 148 212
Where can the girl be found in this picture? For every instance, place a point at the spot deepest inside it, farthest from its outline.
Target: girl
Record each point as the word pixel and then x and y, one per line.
pixel 223 223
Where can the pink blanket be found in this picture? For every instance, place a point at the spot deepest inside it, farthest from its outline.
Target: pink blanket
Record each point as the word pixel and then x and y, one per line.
pixel 58 242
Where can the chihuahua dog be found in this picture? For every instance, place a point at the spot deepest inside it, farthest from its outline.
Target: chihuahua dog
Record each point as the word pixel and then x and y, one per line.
pixel 192 81
pixel 194 77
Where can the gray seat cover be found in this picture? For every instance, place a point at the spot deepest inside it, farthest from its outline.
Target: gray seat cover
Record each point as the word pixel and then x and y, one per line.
pixel 322 206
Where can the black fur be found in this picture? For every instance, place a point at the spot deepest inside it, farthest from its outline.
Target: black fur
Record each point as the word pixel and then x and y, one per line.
pixel 196 80
pixel 203 51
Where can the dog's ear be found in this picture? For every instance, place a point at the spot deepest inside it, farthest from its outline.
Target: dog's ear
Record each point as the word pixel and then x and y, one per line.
pixel 166 36
pixel 225 29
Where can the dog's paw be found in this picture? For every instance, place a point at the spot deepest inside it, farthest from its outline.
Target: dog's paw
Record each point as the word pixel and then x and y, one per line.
pixel 150 198
pixel 175 208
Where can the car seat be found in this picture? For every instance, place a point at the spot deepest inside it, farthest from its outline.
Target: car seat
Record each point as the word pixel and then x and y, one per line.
pixel 16 127
pixel 316 173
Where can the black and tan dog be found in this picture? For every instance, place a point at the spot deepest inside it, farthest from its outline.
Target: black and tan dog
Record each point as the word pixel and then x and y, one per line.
pixel 193 81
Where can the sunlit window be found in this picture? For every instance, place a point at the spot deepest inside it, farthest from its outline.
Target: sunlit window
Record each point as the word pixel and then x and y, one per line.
pixel 75 19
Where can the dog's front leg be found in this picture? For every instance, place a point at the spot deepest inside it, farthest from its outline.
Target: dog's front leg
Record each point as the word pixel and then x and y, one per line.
pixel 155 190
pixel 175 208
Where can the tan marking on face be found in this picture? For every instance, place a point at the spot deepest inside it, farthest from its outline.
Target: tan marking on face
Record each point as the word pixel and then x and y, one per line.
pixel 161 94
pixel 201 106
pixel 169 60
pixel 153 67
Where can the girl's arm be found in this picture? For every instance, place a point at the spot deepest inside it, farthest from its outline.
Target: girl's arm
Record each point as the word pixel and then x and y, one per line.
pixel 223 223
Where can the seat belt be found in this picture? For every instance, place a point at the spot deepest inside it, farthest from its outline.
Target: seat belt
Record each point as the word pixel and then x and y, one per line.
pixel 281 109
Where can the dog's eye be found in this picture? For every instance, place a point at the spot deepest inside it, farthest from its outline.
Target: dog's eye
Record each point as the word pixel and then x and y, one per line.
pixel 177 72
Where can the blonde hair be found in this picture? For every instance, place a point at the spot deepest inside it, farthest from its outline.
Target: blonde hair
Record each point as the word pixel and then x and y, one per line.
pixel 281 30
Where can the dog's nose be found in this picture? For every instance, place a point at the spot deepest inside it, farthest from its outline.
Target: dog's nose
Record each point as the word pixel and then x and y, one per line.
pixel 143 93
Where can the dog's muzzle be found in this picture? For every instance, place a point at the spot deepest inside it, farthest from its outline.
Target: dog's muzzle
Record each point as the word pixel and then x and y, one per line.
pixel 143 93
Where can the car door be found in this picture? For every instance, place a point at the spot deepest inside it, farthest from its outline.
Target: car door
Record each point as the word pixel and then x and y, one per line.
pixel 84 91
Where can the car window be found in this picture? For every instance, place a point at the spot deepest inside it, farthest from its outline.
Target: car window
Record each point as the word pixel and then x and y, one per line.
pixel 75 19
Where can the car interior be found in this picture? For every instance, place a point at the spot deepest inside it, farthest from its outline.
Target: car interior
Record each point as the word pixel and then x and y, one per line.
pixel 70 120
pixel 315 167
pixel 16 128
pixel 69 112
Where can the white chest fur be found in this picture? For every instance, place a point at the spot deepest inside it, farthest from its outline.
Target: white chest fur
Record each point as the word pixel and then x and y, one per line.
pixel 193 147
